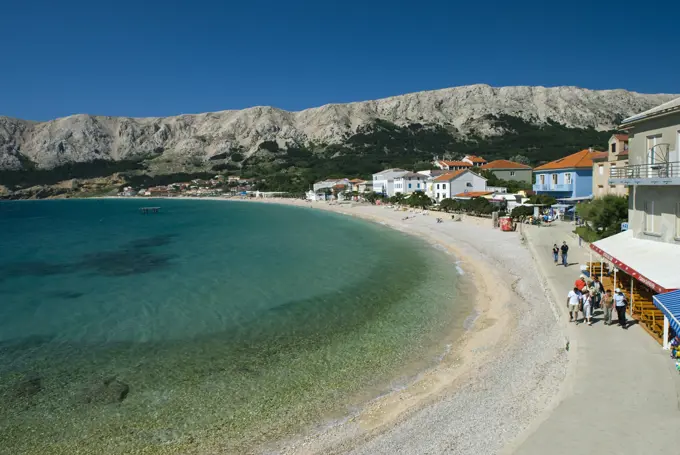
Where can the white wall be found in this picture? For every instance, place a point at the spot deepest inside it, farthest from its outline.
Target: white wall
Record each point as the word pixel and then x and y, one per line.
pixel 468 181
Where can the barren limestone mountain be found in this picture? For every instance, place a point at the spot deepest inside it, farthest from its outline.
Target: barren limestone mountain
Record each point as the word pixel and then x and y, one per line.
pixel 196 138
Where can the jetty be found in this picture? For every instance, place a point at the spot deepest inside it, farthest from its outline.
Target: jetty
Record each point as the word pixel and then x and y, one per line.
pixel 146 210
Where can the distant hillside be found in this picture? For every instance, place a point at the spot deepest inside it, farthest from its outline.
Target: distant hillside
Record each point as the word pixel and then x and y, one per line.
pixel 292 148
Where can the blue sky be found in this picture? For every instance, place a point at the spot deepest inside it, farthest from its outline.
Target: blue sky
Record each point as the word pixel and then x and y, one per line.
pixel 144 58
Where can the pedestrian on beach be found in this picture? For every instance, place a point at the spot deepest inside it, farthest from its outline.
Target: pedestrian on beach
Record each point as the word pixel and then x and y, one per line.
pixel 573 301
pixel 555 252
pixel 586 305
pixel 607 305
pixel 620 304
pixel 564 249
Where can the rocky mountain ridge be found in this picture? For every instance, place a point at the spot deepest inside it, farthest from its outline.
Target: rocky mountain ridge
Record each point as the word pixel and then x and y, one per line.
pixel 180 140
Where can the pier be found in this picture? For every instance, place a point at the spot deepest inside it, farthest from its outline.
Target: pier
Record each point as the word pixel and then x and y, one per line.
pixel 146 210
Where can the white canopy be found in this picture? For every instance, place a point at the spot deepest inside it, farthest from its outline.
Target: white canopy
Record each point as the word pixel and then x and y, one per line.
pixel 653 263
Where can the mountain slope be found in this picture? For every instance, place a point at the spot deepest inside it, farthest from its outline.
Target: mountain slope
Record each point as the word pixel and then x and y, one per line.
pixel 175 143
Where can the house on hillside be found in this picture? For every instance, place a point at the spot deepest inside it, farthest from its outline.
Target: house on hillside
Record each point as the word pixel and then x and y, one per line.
pixel 569 179
pixel 477 161
pixel 383 181
pixel 330 183
pixel 452 165
pixel 460 181
pixel 410 182
pixel 615 157
pixel 645 257
pixel 509 170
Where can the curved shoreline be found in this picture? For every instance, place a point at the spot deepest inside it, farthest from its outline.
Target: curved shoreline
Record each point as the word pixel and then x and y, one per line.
pixel 504 374
pixel 498 311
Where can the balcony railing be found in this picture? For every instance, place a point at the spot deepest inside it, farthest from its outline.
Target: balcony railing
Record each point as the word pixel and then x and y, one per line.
pixel 553 186
pixel 660 171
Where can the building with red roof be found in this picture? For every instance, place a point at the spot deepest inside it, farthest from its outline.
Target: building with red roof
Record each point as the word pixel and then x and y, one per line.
pixel 569 179
pixel 509 170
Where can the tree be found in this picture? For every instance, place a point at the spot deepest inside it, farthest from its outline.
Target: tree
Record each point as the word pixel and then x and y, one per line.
pixel 521 159
pixel 604 215
pixel 521 212
pixel 237 157
pixel 542 199
pixel 450 205
pixel 419 199
pixel 373 196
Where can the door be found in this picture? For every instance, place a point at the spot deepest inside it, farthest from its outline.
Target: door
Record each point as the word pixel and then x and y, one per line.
pixel 652 141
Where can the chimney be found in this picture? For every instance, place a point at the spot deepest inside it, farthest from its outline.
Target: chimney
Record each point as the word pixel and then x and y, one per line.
pixel 590 149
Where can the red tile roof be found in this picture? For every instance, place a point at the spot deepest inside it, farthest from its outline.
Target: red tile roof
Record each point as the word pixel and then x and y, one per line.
pixel 621 137
pixel 582 159
pixel 450 175
pixel 505 164
pixel 476 159
pixel 357 181
pixel 474 194
pixel 456 163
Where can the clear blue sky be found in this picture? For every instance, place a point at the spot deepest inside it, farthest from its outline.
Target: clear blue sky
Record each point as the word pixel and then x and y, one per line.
pixel 142 58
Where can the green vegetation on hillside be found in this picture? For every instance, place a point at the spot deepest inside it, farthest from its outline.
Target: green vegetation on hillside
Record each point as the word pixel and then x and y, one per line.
pixel 377 146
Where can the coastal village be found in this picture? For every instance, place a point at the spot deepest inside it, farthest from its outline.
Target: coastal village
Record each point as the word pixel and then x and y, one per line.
pixel 640 163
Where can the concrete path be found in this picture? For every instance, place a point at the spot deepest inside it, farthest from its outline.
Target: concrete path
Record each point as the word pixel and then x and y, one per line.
pixel 621 395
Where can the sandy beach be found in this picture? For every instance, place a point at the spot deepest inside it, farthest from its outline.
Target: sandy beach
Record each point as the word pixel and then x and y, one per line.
pixel 505 372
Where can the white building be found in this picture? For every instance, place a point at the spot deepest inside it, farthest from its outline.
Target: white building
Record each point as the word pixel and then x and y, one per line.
pixel 460 181
pixel 383 182
pixel 410 182
pixel 330 183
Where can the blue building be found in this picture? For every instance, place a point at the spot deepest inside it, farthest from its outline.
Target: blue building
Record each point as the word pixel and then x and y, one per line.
pixel 569 178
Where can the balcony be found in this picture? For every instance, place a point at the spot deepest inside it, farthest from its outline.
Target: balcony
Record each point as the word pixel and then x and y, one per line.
pixel 667 173
pixel 556 187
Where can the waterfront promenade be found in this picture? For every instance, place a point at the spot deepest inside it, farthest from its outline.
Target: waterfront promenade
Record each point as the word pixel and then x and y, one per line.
pixel 621 391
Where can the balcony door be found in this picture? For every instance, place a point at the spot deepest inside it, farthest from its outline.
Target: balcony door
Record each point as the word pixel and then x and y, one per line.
pixel 652 141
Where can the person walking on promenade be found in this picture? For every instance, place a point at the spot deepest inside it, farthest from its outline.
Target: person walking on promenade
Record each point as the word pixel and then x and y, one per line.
pixel 580 282
pixel 564 249
pixel 556 252
pixel 607 306
pixel 586 306
pixel 620 304
pixel 596 291
pixel 573 301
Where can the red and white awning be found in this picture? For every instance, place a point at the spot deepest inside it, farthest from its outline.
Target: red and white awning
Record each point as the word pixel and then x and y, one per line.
pixel 654 264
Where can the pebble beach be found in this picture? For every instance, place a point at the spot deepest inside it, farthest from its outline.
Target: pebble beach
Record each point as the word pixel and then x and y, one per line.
pixel 485 394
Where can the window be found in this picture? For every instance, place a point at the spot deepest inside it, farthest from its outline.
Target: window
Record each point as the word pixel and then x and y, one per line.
pixel 600 169
pixel 418 185
pixel 437 185
pixel 651 223
pixel 651 142
pixel 512 173
pixel 554 179
pixel 613 148
pixel 443 186
pixel 409 185
pixel 542 179
pixel 567 178
pixel 468 184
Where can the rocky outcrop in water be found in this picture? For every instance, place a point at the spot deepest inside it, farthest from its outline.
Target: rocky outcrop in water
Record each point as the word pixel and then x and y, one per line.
pixel 176 142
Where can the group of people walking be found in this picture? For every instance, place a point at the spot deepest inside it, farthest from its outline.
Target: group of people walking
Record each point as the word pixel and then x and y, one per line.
pixel 562 250
pixel 588 296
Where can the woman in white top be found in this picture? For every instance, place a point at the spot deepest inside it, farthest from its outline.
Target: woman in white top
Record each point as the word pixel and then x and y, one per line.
pixel 587 303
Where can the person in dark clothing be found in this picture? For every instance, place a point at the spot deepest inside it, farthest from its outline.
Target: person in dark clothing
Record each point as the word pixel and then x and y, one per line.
pixel 555 252
pixel 620 302
pixel 564 249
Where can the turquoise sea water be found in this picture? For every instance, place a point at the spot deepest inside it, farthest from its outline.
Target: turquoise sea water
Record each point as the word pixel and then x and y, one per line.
pixel 210 324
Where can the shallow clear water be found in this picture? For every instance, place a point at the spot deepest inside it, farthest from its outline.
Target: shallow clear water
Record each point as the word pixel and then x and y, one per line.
pixel 231 323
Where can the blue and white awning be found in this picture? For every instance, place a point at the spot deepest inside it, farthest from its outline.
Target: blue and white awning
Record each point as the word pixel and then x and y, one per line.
pixel 669 304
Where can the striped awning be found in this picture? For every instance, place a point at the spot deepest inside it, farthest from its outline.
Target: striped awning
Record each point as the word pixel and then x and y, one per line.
pixel 669 304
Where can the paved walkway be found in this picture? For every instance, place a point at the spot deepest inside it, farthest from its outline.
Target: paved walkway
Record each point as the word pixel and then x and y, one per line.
pixel 622 392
